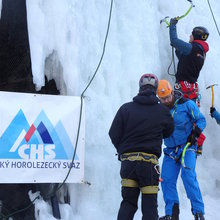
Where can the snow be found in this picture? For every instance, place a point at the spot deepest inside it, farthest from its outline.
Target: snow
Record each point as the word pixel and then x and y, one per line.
pixel 66 40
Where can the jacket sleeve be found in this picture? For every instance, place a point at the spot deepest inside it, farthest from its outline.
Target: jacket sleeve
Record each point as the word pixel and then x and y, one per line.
pixel 116 129
pixel 180 45
pixel 196 116
pixel 216 116
pixel 178 53
pixel 168 125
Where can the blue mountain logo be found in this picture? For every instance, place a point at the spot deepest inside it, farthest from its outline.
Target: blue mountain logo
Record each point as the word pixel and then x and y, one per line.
pixel 41 140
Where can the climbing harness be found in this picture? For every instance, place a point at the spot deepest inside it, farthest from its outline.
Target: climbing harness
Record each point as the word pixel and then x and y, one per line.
pixel 189 90
pixel 173 155
pixel 141 156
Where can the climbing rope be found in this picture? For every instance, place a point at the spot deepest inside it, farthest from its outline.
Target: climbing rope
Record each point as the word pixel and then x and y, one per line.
pixel 172 62
pixel 2 216
pixel 82 94
pixel 213 17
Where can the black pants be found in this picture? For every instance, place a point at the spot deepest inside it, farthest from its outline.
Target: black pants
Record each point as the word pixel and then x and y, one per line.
pixel 144 174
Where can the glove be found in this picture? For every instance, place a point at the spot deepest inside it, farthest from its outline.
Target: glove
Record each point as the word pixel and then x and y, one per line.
pixel 212 110
pixel 193 137
pixel 201 139
pixel 200 142
pixel 173 21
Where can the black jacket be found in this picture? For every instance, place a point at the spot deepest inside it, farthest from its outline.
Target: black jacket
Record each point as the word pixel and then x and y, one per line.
pixel 189 66
pixel 140 126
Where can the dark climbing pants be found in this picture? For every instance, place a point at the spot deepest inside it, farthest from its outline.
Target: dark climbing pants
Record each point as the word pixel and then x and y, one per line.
pixel 145 174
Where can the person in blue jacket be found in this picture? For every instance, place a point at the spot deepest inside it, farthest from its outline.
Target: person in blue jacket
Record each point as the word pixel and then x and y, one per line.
pixel 191 56
pixel 215 114
pixel 188 125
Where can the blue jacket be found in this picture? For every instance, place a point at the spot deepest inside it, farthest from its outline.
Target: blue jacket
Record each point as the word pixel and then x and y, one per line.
pixel 185 114
pixel 216 116
pixel 181 46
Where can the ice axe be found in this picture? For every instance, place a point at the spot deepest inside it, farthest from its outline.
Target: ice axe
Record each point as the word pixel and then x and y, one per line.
pixel 178 17
pixel 165 20
pixel 211 86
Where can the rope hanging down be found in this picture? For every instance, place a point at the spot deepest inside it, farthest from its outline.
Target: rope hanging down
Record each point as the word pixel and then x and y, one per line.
pixel 213 17
pixel 82 95
pixel 79 124
pixel 174 64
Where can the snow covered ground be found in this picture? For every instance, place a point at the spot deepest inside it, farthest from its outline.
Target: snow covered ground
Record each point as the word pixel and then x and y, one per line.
pixel 66 40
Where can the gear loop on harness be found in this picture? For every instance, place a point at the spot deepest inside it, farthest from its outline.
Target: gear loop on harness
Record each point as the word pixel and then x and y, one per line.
pixel 173 154
pixel 139 156
pixel 189 90
pixel 188 85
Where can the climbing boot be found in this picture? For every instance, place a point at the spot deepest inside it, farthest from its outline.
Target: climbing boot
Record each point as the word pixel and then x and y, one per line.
pixel 199 216
pixel 175 211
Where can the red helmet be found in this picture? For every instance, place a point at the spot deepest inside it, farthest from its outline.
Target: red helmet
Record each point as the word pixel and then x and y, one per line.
pixel 148 80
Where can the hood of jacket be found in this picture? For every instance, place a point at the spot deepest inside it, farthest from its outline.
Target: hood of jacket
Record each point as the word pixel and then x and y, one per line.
pixel 146 98
pixel 204 44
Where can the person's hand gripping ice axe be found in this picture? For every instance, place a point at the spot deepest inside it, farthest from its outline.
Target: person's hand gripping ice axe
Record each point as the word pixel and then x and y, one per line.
pixel 174 21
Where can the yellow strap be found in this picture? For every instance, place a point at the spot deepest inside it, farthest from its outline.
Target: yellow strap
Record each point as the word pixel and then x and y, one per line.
pixel 144 190
pixel 129 183
pixel 149 189
pixel 143 153
pixel 140 157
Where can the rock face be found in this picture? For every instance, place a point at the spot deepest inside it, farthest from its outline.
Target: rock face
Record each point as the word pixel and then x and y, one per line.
pixel 16 76
pixel 15 62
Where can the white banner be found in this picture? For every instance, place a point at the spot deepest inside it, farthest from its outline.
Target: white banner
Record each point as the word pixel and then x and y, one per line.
pixel 37 138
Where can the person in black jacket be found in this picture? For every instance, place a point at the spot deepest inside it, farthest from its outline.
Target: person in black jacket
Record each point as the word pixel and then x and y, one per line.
pixel 191 59
pixel 137 132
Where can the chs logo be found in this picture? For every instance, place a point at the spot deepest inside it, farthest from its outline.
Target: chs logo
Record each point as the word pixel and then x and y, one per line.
pixel 41 140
